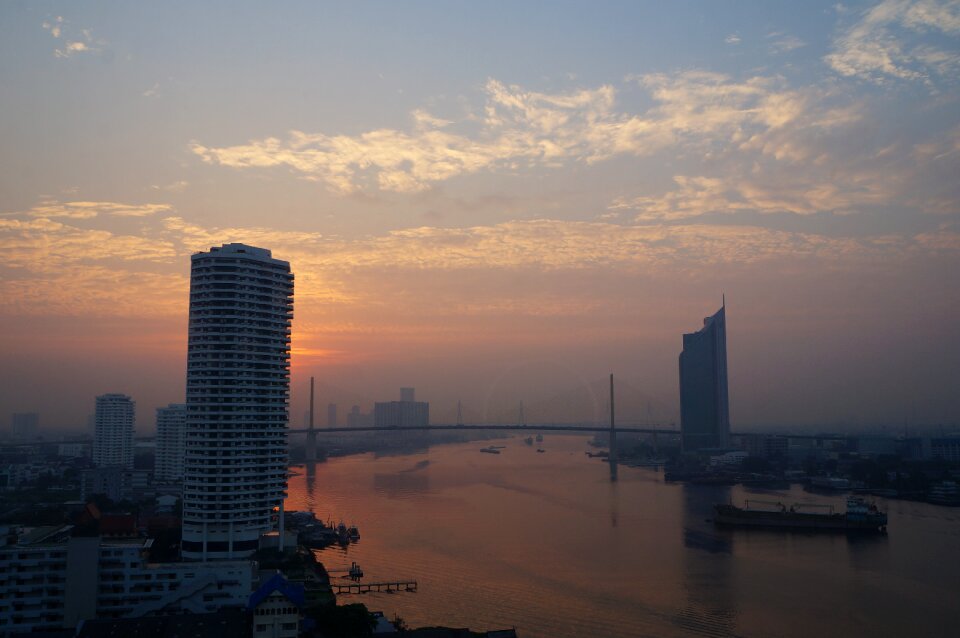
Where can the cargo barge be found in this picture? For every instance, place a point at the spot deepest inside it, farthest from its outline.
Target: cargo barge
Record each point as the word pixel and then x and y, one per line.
pixel 859 517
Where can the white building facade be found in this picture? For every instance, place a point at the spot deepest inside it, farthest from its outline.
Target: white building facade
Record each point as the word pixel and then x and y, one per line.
pixel 238 384
pixel 52 581
pixel 113 431
pixel 171 430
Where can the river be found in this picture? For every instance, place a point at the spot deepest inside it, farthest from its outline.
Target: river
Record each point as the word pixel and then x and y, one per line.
pixel 547 544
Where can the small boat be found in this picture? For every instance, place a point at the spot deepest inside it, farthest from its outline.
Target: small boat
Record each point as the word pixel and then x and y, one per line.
pixel 490 450
pixel 528 440
pixel 342 534
pixel 539 438
pixel 353 533
pixel 540 450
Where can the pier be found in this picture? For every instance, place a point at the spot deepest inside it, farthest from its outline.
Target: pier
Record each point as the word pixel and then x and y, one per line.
pixel 366 588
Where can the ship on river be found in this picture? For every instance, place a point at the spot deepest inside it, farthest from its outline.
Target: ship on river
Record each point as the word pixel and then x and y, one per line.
pixel 859 517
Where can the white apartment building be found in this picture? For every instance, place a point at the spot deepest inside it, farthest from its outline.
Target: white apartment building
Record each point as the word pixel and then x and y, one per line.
pixel 113 431
pixel 171 431
pixel 238 383
pixel 50 581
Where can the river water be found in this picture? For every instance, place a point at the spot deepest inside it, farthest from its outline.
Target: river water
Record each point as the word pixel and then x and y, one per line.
pixel 547 544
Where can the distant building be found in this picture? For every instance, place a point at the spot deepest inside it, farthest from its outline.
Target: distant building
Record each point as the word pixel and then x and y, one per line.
pixel 407 394
pixel 766 446
pixel 24 425
pixel 876 445
pixel 945 448
pixel 238 389
pixel 171 430
pixel 358 419
pixel 113 431
pixel 403 413
pixel 704 404
pixel 331 415
pixel 116 483
pixel 73 450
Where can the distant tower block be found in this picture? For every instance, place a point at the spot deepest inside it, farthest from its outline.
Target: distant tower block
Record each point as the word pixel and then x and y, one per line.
pixel 113 431
pixel 24 425
pixel 331 415
pixel 407 394
pixel 704 404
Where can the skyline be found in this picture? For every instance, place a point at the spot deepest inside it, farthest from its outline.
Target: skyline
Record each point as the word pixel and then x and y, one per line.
pixel 491 205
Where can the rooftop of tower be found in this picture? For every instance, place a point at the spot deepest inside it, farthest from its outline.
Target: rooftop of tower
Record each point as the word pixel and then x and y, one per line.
pixel 225 250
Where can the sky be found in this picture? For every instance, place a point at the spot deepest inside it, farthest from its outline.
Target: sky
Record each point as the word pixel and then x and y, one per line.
pixel 494 203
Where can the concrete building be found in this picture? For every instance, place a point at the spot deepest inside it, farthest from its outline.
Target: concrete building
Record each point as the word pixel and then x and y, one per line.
pixel 358 419
pixel 238 385
pixel 113 431
pixel 24 425
pixel 404 413
pixel 73 450
pixel 765 446
pixel 116 483
pixel 331 415
pixel 945 448
pixel 171 430
pixel 50 580
pixel 704 404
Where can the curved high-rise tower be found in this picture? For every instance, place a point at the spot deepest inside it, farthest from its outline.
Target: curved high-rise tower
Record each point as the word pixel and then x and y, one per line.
pixel 704 404
pixel 238 384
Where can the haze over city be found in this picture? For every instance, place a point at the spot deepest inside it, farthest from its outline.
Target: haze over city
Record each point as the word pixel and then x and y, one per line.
pixel 492 203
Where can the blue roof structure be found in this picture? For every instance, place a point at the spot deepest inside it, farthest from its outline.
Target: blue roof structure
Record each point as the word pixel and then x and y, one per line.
pixel 278 583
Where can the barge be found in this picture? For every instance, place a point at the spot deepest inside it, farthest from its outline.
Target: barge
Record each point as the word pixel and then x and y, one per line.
pixel 859 517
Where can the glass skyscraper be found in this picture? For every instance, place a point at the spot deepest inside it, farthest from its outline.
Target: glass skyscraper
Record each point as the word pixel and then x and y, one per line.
pixel 238 386
pixel 704 405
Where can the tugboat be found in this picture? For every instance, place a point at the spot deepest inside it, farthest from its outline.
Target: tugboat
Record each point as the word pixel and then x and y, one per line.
pixel 859 517
pixel 353 533
pixel 343 535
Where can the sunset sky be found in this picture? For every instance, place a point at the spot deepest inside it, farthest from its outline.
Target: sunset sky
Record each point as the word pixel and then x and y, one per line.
pixel 492 202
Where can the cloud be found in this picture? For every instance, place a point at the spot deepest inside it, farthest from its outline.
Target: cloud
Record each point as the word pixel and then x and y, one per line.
pixel 799 194
pixel 883 44
pixel 521 128
pixel 177 186
pixel 780 43
pixel 733 38
pixel 50 209
pixel 56 268
pixel 54 26
pixel 82 42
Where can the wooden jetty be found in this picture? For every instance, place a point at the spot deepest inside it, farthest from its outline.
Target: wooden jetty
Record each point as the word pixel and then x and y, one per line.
pixel 366 588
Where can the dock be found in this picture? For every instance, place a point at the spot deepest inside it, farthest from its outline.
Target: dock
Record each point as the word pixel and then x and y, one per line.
pixel 366 588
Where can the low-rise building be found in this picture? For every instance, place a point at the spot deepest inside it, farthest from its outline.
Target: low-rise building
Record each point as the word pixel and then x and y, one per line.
pixel 51 580
pixel 277 607
pixel 116 483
